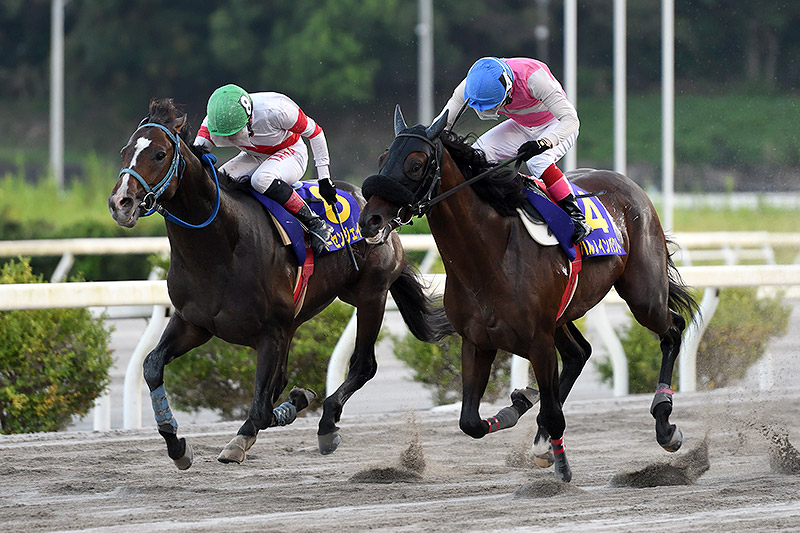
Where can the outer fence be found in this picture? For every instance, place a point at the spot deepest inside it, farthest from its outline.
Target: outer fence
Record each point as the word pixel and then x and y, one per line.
pixel 153 294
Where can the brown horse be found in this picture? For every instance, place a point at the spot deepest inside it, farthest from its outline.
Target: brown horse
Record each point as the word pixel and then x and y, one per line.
pixel 231 276
pixel 503 290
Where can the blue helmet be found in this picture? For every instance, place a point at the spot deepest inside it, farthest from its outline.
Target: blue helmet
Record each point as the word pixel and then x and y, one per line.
pixel 489 82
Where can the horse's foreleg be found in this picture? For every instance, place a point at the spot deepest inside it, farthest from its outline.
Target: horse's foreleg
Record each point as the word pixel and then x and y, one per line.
pixel 575 351
pixel 363 367
pixel 668 435
pixel 270 381
pixel 476 366
pixel 178 338
pixel 551 417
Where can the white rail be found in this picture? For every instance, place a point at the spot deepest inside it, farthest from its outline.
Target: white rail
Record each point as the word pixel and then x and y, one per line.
pixel 154 293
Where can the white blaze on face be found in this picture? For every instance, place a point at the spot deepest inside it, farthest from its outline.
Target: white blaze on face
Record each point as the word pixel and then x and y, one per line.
pixel 122 191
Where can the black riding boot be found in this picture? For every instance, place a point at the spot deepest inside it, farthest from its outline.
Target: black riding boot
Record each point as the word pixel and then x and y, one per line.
pixel 570 205
pixel 319 230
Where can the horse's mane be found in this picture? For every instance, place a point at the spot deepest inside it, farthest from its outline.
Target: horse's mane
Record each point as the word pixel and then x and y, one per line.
pixel 163 111
pixel 503 190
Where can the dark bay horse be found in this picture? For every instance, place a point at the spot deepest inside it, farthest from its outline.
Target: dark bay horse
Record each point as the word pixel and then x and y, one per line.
pixel 230 276
pixel 503 290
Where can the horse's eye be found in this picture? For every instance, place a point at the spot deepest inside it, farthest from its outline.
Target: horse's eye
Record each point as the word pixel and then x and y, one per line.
pixel 161 155
pixel 416 168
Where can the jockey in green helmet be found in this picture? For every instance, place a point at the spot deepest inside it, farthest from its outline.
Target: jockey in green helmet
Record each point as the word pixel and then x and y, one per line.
pixel 268 129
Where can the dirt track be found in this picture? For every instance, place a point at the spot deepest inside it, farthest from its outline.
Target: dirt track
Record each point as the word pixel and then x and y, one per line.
pixel 124 481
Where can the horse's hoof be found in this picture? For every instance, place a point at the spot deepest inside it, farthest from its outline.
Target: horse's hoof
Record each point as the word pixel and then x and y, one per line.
pixel 236 450
pixel 328 443
pixel 545 460
pixel 543 453
pixel 185 461
pixel 675 442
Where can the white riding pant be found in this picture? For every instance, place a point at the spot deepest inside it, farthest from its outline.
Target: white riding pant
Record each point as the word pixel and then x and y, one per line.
pixel 503 141
pixel 288 165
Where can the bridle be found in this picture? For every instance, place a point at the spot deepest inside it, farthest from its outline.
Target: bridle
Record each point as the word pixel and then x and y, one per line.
pixel 149 203
pixel 431 183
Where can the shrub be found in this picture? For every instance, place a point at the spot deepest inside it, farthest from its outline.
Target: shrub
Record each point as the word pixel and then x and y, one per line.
pixel 439 366
pixel 736 337
pixel 220 376
pixel 53 362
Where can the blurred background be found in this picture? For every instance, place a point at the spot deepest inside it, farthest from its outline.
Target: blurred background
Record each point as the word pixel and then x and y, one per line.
pixel 348 62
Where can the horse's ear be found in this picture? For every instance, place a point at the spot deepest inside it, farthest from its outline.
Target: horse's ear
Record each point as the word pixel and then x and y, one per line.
pixel 435 129
pixel 177 124
pixel 399 121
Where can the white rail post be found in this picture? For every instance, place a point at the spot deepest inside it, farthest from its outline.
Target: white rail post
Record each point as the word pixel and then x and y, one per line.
pixel 687 358
pixel 132 400
pixel 619 363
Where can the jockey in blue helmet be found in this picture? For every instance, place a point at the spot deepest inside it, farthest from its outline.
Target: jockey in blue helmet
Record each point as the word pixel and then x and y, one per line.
pixel 543 127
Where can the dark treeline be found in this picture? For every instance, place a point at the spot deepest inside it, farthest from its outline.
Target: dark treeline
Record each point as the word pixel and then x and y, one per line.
pixel 347 62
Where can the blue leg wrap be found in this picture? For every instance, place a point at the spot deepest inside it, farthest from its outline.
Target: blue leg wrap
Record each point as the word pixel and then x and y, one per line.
pixel 162 411
pixel 284 414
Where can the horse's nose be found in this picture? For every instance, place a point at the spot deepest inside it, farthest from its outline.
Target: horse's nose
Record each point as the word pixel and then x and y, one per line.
pixel 118 203
pixel 370 224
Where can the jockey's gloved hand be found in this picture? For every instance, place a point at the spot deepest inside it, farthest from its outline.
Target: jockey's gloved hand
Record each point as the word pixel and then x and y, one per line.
pixel 327 190
pixel 241 182
pixel 533 148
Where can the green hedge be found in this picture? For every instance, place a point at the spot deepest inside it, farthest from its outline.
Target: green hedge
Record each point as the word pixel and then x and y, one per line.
pixel 220 376
pixel 53 362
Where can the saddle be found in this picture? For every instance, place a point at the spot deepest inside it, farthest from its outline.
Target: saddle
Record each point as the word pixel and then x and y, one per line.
pixel 292 233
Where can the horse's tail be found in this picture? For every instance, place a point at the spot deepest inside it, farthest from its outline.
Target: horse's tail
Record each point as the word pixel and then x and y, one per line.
pixel 423 314
pixel 680 299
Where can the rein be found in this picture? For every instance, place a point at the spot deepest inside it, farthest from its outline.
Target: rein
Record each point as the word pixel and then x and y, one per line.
pixel 425 207
pixel 150 202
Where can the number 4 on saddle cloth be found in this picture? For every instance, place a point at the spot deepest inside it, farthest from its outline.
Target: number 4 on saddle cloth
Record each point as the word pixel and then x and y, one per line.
pixel 603 240
pixel 309 191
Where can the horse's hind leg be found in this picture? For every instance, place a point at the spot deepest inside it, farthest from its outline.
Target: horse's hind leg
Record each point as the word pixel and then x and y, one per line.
pixel 178 338
pixel 649 303
pixel 363 367
pixel 668 435
pixel 271 379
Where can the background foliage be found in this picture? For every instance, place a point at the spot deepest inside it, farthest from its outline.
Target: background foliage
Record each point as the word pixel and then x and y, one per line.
pixel 220 376
pixel 736 337
pixel 347 62
pixel 53 362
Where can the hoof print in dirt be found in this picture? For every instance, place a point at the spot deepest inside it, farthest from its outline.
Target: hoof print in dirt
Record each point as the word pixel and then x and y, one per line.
pixel 546 488
pixel 683 470
pixel 390 474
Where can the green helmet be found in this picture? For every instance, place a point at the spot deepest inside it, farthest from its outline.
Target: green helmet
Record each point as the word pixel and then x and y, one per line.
pixel 229 109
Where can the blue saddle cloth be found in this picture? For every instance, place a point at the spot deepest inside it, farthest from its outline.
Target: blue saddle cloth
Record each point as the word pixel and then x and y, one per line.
pixel 348 208
pixel 602 241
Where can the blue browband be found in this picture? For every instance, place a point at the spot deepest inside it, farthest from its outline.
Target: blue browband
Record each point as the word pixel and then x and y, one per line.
pixel 150 201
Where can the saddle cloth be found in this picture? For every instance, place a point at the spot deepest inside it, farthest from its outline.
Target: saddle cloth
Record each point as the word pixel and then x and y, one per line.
pixel 348 208
pixel 556 226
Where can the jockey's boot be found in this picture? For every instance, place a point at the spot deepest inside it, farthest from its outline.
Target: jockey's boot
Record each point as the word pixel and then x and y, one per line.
pixel 570 205
pixel 319 230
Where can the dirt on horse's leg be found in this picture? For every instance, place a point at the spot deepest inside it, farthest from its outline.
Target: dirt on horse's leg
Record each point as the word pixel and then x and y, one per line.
pixel 668 435
pixel 363 367
pixel 476 366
